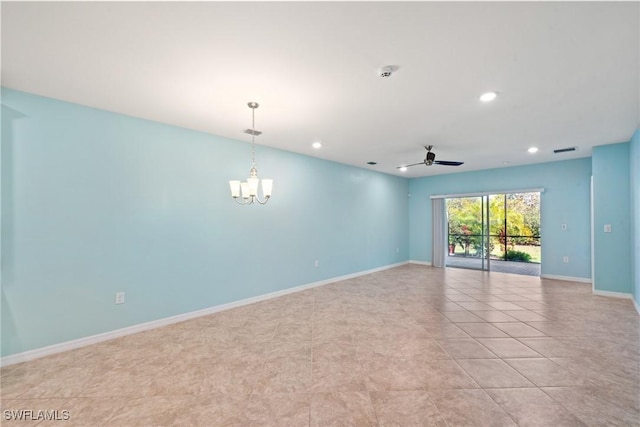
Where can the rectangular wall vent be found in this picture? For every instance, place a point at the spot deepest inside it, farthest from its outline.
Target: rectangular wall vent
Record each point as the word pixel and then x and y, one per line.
pixel 565 150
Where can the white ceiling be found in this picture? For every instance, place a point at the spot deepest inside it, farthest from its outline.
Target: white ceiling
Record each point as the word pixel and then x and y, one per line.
pixel 567 73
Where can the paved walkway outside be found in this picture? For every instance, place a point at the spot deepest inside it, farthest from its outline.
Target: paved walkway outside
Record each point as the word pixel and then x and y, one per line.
pixel 515 267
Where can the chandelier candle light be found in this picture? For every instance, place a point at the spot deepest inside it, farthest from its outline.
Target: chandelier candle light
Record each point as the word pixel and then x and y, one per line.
pixel 249 189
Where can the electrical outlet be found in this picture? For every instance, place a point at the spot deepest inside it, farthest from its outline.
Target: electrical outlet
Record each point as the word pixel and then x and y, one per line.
pixel 316 264
pixel 397 250
pixel 564 227
pixel 607 228
pixel 119 297
pixel 565 260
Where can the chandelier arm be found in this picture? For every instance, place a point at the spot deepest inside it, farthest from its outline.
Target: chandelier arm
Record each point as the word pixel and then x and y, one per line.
pixel 246 201
pixel 266 199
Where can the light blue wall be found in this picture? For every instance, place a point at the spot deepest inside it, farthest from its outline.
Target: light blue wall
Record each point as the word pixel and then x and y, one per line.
pixel 611 190
pixel 95 202
pixel 634 173
pixel 566 200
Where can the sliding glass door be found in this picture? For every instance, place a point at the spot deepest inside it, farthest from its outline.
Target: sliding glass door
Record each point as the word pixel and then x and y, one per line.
pixel 498 232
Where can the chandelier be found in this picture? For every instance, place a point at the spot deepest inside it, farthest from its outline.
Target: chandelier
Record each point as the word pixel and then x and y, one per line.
pixel 245 193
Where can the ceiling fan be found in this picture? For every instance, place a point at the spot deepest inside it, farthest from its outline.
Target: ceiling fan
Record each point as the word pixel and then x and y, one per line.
pixel 431 159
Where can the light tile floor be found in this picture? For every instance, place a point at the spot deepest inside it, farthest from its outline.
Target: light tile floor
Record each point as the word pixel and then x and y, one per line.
pixel 398 347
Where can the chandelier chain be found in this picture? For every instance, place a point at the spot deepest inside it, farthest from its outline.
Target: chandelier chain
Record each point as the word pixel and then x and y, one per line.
pixel 253 137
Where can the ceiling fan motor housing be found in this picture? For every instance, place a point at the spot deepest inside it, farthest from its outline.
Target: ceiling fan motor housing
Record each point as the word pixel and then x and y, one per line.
pixel 430 158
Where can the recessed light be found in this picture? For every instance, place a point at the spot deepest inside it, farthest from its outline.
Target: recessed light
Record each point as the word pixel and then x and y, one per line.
pixel 403 168
pixel 533 150
pixel 372 163
pixel 488 97
pixel 317 145
pixel 506 162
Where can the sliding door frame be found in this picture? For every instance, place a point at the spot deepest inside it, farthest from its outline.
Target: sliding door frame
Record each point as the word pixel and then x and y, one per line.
pixel 484 203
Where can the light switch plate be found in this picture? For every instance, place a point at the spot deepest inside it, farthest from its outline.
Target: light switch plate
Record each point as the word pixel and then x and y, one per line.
pixel 607 228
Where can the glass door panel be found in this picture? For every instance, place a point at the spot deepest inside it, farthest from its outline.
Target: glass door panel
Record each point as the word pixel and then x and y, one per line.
pixel 466 232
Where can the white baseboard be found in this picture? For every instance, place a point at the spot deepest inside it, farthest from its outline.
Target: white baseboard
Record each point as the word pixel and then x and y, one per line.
pixel 566 278
pixel 420 262
pixel 613 294
pixel 635 304
pixel 94 339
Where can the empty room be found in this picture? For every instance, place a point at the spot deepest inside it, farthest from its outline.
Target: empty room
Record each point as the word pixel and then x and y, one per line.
pixel 320 214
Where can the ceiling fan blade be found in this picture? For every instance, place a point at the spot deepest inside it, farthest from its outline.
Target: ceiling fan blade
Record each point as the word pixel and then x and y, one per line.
pixel 448 163
pixel 414 164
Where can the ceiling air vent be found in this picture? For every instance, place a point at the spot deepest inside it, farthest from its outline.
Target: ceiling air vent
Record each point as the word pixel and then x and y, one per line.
pixel 565 150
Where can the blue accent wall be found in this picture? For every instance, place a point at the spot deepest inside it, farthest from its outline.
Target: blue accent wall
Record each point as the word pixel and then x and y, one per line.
pixel 565 200
pixel 95 202
pixel 634 173
pixel 611 190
